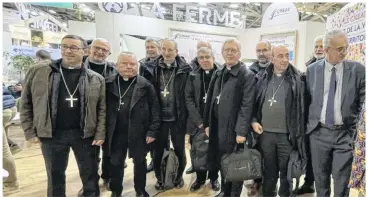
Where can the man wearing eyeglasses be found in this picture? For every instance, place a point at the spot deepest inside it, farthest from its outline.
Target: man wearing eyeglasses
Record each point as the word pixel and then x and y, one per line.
pixel 263 49
pixel 335 93
pixel 63 107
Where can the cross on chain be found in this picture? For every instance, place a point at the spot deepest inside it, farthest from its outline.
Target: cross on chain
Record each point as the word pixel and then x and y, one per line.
pixel 218 98
pixel 71 99
pixel 272 100
pixel 165 92
pixel 205 97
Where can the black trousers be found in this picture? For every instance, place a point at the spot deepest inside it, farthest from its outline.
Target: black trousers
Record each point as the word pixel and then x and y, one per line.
pixel 276 149
pixel 331 153
pixel 117 158
pixel 56 154
pixel 178 140
pixel 105 170
pixel 201 175
pixel 309 175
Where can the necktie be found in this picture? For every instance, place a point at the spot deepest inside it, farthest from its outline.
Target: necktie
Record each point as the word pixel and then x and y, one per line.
pixel 329 113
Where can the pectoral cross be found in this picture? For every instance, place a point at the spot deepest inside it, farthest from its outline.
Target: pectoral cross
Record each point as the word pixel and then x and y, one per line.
pixel 71 99
pixel 272 100
pixel 121 103
pixel 165 92
pixel 218 98
pixel 205 97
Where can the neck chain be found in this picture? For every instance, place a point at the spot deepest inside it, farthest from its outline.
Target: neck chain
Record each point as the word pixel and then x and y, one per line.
pixel 221 87
pixel 272 100
pixel 120 95
pixel 206 90
pixel 71 99
pixel 165 92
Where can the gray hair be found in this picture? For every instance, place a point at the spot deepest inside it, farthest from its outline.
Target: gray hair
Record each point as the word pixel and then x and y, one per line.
pixel 101 40
pixel 128 54
pixel 234 40
pixel 205 50
pixel 152 40
pixel 330 35
pixel 207 42
pixel 171 40
pixel 320 37
pixel 267 42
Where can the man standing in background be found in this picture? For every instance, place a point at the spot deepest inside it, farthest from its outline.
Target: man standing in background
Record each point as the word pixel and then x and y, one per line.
pixel 318 51
pixel 263 50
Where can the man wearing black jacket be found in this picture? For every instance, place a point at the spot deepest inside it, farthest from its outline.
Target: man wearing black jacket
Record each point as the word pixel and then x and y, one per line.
pixel 133 122
pixel 263 49
pixel 228 110
pixel 279 119
pixel 168 73
pixel 196 92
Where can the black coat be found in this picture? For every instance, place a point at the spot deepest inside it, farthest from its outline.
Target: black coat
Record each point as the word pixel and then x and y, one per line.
pixel 236 103
pixel 151 71
pixel 295 104
pixel 193 98
pixel 144 119
pixel 255 67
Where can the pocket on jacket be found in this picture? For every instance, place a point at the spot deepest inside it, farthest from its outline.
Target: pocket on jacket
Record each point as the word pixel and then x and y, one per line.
pixel 95 90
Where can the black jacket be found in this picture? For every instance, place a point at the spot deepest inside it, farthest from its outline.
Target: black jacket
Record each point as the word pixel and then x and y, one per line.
pixel 151 71
pixel 236 102
pixel 193 98
pixel 144 111
pixel 255 67
pixel 295 104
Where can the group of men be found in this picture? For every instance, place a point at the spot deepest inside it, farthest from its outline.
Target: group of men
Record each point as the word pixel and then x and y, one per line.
pixel 81 103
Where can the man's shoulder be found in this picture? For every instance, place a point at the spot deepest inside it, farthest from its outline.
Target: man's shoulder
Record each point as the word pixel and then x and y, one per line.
pixel 94 76
pixel 355 64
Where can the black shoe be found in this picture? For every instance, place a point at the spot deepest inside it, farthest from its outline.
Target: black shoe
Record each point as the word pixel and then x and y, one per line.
pixel 159 186
pixel 107 184
pixel 142 194
pixel 150 167
pixel 196 186
pixel 215 185
pixel 190 170
pixel 125 164
pixel 305 189
pixel 179 184
pixel 115 194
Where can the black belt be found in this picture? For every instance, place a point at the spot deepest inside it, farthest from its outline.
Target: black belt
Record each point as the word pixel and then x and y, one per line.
pixel 334 127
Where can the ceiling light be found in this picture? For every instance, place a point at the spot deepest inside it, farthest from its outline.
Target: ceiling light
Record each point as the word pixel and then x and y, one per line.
pixel 308 12
pixel 34 13
pixel 203 3
pixel 52 11
pixel 325 15
pixel 86 9
pixel 145 7
pixel 233 6
pixel 82 5
pixel 27 11
pixel 42 14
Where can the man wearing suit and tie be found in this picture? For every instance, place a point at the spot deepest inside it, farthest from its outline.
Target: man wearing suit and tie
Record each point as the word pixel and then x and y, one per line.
pixel 335 94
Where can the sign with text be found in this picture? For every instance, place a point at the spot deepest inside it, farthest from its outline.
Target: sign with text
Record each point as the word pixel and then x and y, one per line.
pixel 53 37
pixel 180 12
pixel 45 23
pixel 287 39
pixel 352 21
pixel 279 14
pixel 187 41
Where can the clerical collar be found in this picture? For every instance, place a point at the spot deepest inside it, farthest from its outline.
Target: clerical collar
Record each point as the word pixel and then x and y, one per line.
pixel 165 65
pixel 101 63
pixel 130 79
pixel 71 67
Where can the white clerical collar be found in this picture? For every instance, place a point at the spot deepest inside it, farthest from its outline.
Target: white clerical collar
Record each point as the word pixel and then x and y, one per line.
pixel 125 79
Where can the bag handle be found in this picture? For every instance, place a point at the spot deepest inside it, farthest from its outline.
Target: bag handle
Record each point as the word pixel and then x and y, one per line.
pixel 245 147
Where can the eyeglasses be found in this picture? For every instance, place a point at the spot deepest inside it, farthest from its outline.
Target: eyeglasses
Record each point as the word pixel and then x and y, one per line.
pixel 340 49
pixel 207 57
pixel 73 48
pixel 233 51
pixel 102 49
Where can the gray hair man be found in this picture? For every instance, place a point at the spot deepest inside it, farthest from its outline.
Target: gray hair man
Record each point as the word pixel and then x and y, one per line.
pixel 152 47
pixel 318 50
pixel 200 43
pixel 335 93
pixel 99 51
pixel 263 53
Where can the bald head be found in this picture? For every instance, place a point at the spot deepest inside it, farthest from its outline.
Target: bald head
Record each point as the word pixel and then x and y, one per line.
pixel 263 49
pixel 99 50
pixel 202 43
pixel 280 58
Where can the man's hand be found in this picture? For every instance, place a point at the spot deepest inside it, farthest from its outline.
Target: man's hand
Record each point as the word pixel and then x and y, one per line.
pixel 34 140
pixel 149 140
pixel 257 127
pixel 240 139
pixel 207 131
pixel 98 142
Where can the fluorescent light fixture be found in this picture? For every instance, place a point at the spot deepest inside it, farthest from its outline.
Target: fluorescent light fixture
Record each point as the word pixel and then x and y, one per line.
pixel 42 14
pixel 86 9
pixel 325 15
pixel 82 5
pixel 233 6
pixel 308 13
pixel 52 11
pixel 257 4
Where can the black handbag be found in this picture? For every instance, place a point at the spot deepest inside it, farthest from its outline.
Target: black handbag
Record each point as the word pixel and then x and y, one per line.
pixel 241 165
pixel 199 151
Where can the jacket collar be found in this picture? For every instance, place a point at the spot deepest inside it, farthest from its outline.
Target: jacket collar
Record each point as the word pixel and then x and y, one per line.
pixel 235 69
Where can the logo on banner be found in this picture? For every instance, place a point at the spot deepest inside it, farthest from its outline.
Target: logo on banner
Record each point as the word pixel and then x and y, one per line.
pixel 114 7
pixel 279 14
